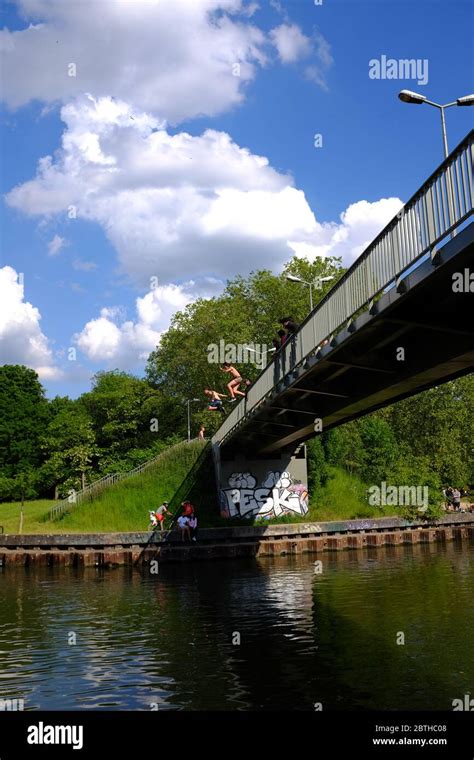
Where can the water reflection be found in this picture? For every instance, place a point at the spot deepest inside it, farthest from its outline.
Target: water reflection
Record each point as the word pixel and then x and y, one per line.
pixel 171 639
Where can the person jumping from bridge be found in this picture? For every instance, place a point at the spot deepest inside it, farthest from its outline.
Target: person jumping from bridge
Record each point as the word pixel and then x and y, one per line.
pixel 215 400
pixel 234 383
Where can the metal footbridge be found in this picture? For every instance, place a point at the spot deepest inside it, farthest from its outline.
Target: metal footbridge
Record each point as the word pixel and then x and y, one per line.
pixel 399 321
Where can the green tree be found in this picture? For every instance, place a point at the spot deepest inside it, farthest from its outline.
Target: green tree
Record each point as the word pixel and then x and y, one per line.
pixel 127 413
pixel 439 424
pixel 344 447
pixel 316 463
pixel 69 446
pixel 23 416
pixel 380 447
pixel 247 312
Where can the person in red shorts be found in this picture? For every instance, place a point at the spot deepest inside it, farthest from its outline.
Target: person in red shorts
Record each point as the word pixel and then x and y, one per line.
pixel 160 514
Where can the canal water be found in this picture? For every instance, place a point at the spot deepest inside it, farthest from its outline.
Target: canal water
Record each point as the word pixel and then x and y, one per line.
pixel 244 635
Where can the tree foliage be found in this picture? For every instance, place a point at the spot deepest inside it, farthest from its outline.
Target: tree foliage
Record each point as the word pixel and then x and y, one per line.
pixel 246 313
pixel 47 447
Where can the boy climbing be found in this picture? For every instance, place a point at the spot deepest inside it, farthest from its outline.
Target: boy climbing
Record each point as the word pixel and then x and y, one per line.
pixel 234 383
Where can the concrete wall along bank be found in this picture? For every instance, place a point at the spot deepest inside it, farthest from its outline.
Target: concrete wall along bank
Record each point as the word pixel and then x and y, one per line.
pixel 139 549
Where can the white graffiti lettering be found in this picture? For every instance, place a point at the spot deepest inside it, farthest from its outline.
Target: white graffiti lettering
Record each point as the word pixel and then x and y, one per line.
pixel 276 496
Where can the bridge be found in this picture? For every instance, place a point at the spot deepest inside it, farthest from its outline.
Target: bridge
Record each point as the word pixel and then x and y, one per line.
pixel 399 321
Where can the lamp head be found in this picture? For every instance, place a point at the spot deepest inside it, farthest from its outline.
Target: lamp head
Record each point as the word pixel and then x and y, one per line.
pixel 467 100
pixel 407 96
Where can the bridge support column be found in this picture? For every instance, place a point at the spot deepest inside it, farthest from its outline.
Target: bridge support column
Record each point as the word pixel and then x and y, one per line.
pixel 252 487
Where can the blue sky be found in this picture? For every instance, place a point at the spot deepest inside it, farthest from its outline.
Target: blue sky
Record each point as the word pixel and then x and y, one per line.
pixel 146 144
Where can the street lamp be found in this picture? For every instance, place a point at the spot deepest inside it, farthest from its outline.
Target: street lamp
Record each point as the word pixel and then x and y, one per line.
pixel 317 283
pixel 188 402
pixel 407 96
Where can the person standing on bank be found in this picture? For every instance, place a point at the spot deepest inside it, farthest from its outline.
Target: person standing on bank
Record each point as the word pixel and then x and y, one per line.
pixel 160 514
pixel 183 524
pixel 457 499
pixel 193 524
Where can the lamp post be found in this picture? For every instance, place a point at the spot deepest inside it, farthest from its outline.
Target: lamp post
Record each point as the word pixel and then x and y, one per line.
pixel 317 283
pixel 188 402
pixel 407 96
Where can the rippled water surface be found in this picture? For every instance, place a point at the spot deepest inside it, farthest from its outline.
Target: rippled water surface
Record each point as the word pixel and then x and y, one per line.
pixel 171 639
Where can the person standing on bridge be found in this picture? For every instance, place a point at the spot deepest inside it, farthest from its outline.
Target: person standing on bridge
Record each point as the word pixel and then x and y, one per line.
pixel 280 341
pixel 234 383
pixel 283 337
pixel 290 326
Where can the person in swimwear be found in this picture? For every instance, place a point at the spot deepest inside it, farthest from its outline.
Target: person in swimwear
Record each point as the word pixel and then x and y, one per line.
pixel 215 402
pixel 234 383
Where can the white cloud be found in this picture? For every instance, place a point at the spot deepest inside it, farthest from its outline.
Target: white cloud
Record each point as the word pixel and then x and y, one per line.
pixel 56 245
pixel 180 206
pixel 323 50
pixel 360 224
pixel 173 58
pixel 21 338
pixel 126 343
pixel 290 42
pixel 317 71
pixel 292 45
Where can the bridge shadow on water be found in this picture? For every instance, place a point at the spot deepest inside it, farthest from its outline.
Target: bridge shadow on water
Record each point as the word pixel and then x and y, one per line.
pixel 273 634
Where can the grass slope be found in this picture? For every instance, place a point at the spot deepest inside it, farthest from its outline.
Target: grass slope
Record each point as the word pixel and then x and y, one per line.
pixel 343 497
pixel 124 507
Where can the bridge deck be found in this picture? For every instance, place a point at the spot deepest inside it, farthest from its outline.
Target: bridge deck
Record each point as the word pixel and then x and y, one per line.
pixel 392 326
pixel 363 371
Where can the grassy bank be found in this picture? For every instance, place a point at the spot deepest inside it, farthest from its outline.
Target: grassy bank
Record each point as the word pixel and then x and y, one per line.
pixel 124 507
pixel 34 513
pixel 343 497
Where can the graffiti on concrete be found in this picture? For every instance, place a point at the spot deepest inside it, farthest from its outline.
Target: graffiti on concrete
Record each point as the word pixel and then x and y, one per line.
pixel 276 495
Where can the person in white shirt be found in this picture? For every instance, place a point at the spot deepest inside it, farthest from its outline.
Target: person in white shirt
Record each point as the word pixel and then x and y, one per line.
pixel 193 524
pixel 183 524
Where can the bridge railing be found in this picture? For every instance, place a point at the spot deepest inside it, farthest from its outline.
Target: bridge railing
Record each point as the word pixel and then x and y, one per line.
pixel 436 210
